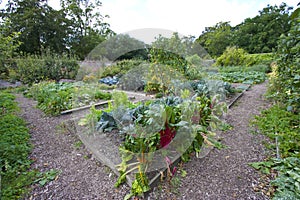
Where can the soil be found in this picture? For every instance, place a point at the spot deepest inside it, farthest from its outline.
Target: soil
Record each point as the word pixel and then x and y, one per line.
pixel 5 84
pixel 222 174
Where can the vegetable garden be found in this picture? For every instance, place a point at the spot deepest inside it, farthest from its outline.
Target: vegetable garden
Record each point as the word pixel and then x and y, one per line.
pixel 143 117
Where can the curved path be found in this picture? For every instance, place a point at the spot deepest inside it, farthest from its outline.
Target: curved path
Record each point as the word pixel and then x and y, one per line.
pixel 223 174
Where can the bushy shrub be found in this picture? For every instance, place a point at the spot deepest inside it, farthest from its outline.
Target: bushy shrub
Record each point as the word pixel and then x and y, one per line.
pixel 286 74
pixel 259 59
pixel 34 69
pixel 194 60
pixel 232 56
pixel 196 67
pixel 120 68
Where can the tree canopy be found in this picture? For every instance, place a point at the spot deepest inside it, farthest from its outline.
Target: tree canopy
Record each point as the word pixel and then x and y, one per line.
pixel 261 33
pixel 256 35
pixel 75 28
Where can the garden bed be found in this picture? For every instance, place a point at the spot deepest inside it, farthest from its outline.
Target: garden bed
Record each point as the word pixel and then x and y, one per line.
pixel 105 147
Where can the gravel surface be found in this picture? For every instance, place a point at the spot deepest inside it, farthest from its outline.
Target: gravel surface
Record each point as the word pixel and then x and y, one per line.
pixel 222 174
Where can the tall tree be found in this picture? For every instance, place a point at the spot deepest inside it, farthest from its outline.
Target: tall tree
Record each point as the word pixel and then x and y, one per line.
pixel 8 45
pixel 215 39
pixel 27 17
pixel 261 33
pixel 120 47
pixel 88 28
pixel 77 27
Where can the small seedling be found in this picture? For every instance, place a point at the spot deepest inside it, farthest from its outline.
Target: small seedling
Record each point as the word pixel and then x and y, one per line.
pixel 78 144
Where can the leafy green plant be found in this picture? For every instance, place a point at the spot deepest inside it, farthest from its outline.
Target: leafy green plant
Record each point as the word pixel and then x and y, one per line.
pixel 153 126
pixel 264 166
pixel 14 151
pixel 120 68
pixel 251 77
pixel 8 45
pixel 160 78
pixel 287 183
pixel 281 121
pixel 285 82
pixel 287 180
pixel 259 59
pixel 34 69
pixel 53 98
pixel 278 123
pixel 255 68
pixel 44 178
pixel 232 56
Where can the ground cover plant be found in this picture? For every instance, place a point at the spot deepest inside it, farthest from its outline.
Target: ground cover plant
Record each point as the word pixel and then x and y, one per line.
pixel 53 98
pixel 16 176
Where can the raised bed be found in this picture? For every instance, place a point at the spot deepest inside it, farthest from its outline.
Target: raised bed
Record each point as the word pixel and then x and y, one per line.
pixel 105 147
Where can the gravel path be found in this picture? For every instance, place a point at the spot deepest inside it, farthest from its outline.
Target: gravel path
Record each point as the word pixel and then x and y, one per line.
pixel 223 174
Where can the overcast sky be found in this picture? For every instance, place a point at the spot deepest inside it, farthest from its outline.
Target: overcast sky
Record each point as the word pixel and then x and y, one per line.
pixel 188 17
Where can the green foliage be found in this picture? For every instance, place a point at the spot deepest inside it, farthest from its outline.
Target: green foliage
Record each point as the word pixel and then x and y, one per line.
pixel 196 67
pixel 66 30
pixel 232 56
pixel 139 186
pixel 251 77
pixel 256 35
pixel 288 181
pixel 261 33
pixel 264 167
pixel 103 95
pixel 160 78
pixel 120 99
pixel 53 98
pixel 215 39
pixel 34 69
pixel 254 68
pixel 259 59
pixel 281 121
pixel 211 88
pixel 277 122
pixel 8 45
pixel 173 51
pixel 7 103
pixel 120 68
pixel 285 82
pixel 120 47
pixel 153 127
pixel 44 178
pixel 14 151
